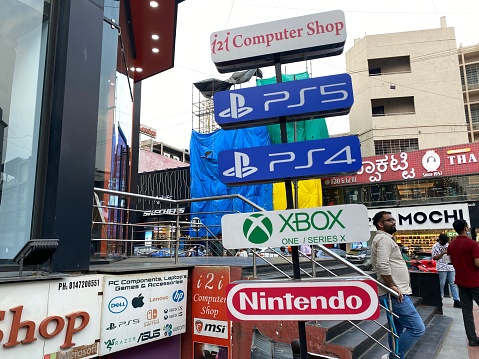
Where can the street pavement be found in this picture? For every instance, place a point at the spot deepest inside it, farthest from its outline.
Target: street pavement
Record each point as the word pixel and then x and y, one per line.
pixel 455 345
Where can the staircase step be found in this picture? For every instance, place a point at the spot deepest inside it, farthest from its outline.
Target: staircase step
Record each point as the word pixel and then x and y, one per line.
pixel 358 342
pixel 437 327
pixel 430 343
pixel 337 327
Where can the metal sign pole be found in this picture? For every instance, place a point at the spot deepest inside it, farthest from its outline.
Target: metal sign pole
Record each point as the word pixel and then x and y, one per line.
pixel 291 205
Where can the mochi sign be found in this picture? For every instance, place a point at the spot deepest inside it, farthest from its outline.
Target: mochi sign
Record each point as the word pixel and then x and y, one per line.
pixel 324 299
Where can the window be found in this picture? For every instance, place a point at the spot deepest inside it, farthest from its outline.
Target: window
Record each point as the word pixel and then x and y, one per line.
pixel 389 65
pixel 24 30
pixel 392 106
pixel 472 76
pixel 383 147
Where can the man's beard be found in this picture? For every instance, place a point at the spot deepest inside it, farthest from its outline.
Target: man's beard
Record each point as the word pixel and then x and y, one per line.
pixel 391 230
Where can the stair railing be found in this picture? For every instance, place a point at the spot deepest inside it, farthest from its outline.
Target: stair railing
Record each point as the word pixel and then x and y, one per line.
pixel 177 225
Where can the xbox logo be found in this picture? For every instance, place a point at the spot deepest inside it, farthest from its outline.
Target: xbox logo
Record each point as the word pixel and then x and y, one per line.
pixel 257 228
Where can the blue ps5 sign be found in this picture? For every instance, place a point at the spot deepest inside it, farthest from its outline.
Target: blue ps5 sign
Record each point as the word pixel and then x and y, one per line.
pixel 296 100
pixel 308 159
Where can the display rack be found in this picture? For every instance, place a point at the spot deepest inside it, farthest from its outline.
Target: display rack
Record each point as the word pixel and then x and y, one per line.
pixel 417 242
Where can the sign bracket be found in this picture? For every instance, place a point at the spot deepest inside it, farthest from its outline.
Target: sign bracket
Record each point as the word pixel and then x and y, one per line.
pixel 291 205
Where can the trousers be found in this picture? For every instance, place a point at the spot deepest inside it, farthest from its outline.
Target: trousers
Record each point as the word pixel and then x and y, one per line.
pixel 409 325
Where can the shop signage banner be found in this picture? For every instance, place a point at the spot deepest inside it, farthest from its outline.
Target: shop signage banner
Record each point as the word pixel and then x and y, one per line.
pixel 296 100
pixel 307 159
pixel 210 323
pixel 321 225
pixel 425 217
pixel 410 166
pixel 336 299
pixel 141 308
pixel 51 319
pixel 288 40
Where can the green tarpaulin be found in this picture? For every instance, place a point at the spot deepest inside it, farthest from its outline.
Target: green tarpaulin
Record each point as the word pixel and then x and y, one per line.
pixel 305 130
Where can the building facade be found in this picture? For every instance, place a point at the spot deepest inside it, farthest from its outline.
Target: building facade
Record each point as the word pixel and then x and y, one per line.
pixel 70 95
pixel 407 90
pixel 469 68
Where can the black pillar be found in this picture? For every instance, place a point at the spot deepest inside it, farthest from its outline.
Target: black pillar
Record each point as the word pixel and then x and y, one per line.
pixel 71 128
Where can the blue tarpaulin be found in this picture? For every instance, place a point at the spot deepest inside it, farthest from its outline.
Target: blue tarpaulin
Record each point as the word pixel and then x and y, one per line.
pixel 204 149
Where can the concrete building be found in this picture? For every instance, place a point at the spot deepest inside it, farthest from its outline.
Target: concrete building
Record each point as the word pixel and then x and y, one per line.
pixel 407 89
pixel 469 65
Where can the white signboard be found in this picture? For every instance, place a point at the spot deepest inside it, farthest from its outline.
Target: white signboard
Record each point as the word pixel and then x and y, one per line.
pixel 51 319
pixel 321 225
pixel 424 217
pixel 142 307
pixel 295 39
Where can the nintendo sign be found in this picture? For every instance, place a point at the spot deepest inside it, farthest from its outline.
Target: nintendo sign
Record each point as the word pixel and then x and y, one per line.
pixel 324 299
pixel 289 40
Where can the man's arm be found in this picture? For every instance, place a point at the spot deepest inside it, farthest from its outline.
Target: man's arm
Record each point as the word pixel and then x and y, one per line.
pixel 476 262
pixel 383 265
pixel 388 280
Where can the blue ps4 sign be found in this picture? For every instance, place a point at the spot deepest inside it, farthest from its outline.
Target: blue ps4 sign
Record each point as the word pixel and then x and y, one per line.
pixel 308 159
pixel 296 100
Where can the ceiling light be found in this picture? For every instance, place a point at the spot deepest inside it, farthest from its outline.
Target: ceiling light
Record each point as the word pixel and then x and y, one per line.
pixel 139 69
pixel 155 50
pixel 153 4
pixel 155 37
pixel 132 68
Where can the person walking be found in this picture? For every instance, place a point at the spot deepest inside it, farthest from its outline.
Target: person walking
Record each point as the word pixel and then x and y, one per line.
pixel 444 268
pixel 392 271
pixel 464 254
pixel 242 253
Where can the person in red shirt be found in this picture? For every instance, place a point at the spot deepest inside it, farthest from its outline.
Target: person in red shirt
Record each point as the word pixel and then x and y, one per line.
pixel 464 254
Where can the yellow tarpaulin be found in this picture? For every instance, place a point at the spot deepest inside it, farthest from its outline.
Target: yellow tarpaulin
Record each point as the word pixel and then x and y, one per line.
pixel 309 194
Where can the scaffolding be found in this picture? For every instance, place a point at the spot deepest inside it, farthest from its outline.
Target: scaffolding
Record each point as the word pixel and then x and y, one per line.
pixel 203 117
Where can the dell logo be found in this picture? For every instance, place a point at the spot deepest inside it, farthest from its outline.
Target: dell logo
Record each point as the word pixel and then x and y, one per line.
pixel 237 107
pixel 241 168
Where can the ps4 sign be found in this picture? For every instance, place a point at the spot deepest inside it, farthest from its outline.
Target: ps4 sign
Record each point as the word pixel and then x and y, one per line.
pixel 296 100
pixel 307 159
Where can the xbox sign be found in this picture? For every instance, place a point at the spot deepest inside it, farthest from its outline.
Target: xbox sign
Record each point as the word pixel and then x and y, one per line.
pixel 321 225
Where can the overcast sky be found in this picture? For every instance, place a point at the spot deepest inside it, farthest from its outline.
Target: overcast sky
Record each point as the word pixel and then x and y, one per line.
pixel 167 97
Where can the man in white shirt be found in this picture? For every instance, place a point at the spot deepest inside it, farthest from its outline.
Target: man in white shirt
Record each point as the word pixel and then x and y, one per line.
pixel 392 271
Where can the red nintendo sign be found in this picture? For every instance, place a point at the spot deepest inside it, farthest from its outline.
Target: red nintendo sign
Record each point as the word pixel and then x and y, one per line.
pixel 408 166
pixel 351 299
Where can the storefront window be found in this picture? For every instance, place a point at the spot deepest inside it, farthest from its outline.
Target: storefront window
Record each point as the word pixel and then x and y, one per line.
pixel 23 35
pixel 113 138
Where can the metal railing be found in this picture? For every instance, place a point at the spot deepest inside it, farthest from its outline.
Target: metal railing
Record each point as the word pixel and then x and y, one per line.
pixel 176 226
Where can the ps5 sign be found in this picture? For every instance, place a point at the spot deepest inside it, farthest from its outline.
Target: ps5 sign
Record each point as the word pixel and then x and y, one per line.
pixel 296 100
pixel 307 159
pixel 321 225
pixel 289 40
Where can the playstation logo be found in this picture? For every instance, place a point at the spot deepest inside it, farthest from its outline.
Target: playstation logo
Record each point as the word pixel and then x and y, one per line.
pixel 241 168
pixel 111 327
pixel 237 107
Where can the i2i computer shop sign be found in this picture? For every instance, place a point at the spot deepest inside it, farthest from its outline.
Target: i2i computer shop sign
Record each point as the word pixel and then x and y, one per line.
pixel 321 225
pixel 289 40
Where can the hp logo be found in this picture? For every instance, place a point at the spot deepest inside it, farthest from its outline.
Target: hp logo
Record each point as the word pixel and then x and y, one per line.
pixel 178 295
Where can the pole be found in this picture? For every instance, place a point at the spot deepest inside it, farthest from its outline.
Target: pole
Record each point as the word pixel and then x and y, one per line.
pixel 290 205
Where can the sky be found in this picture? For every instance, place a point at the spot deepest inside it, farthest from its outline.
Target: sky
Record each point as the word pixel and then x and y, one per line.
pixel 167 98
